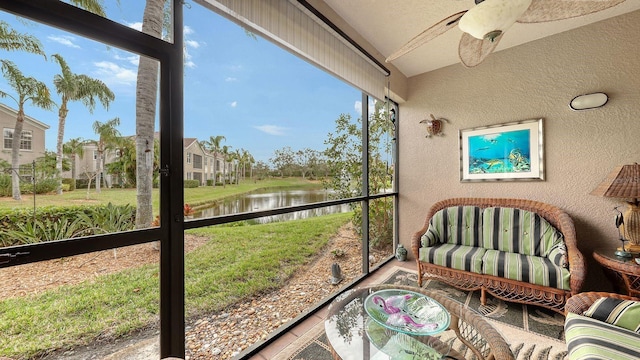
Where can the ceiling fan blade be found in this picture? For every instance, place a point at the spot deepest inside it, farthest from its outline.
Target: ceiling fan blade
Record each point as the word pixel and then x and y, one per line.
pixel 551 10
pixel 473 51
pixel 427 35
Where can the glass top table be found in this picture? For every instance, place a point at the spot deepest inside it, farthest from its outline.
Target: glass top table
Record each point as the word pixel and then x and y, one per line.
pixel 355 335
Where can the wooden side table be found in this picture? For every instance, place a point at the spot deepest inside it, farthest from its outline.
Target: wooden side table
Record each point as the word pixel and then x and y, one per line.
pixel 624 273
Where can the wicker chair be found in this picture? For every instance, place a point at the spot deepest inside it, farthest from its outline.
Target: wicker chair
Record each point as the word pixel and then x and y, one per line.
pixel 579 303
pixel 588 337
pixel 507 289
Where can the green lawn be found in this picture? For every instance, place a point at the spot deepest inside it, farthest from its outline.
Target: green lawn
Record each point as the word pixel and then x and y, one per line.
pixel 192 196
pixel 238 262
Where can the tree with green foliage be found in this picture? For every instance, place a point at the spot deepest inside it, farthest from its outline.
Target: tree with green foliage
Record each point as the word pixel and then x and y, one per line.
pixel 284 161
pixel 247 159
pixel 213 146
pixel 261 170
pixel 227 156
pixel 11 40
pixel 75 87
pixel 107 137
pixel 28 89
pixel 344 160
pixel 124 164
pixel 74 148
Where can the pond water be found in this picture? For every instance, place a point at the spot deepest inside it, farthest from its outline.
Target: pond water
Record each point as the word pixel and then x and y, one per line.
pixel 267 199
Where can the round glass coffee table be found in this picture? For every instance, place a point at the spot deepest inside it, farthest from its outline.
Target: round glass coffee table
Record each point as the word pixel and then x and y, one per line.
pixel 356 330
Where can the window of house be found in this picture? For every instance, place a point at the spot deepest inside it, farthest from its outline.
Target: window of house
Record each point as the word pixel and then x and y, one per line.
pixel 95 155
pixel 197 161
pixel 25 139
pixel 189 176
pixel 188 158
pixel 7 135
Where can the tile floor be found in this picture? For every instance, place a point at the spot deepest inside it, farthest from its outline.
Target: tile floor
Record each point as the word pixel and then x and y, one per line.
pixel 286 339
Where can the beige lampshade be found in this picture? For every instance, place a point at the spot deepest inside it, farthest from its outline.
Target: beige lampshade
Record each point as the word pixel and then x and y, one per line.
pixel 624 183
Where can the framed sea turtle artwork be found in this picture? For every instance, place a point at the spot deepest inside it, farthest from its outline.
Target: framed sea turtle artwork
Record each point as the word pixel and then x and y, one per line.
pixel 503 152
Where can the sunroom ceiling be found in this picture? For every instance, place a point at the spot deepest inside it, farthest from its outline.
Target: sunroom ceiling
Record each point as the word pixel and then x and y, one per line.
pixel 388 25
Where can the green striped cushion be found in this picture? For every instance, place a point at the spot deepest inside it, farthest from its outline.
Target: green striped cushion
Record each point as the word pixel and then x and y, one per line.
pixel 518 231
pixel 460 225
pixel 558 255
pixel 461 257
pixel 623 313
pixel 531 269
pixel 589 338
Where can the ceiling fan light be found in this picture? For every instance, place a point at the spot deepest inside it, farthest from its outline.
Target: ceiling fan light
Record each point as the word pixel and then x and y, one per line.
pixel 492 15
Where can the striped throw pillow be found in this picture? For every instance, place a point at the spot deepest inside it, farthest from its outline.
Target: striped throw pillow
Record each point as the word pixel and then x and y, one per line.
pixel 458 225
pixel 519 231
pixel 623 313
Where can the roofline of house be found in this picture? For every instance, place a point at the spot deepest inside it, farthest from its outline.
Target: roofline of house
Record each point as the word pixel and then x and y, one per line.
pixel 9 110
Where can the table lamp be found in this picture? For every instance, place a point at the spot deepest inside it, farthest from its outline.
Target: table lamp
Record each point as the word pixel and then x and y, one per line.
pixel 623 182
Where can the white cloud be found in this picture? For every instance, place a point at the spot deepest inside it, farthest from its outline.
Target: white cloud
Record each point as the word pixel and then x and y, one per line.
pixel 230 79
pixel 64 40
pixel 133 59
pixel 234 104
pixel 358 107
pixel 187 30
pixel 187 60
pixel 135 25
pixel 272 129
pixel 192 43
pixel 114 74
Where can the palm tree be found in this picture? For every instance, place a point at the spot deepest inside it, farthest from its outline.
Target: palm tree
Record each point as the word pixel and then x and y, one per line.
pixel 94 6
pixel 74 87
pixel 107 135
pixel 247 159
pixel 12 40
pixel 213 145
pixel 146 93
pixel 125 164
pixel 73 148
pixel 237 155
pixel 227 156
pixel 27 89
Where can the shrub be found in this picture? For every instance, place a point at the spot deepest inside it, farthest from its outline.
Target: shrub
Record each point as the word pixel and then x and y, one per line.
pixel 5 185
pixel 70 182
pixel 82 183
pixel 19 226
pixel 191 184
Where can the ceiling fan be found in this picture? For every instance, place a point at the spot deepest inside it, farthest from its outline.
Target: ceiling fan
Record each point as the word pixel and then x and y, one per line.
pixel 484 25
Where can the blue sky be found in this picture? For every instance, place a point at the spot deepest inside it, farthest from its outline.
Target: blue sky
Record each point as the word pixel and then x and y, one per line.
pixel 255 94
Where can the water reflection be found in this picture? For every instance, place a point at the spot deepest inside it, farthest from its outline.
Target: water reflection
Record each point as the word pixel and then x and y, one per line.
pixel 268 199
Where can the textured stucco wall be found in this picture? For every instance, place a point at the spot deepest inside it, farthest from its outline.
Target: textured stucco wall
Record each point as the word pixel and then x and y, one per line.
pixel 535 80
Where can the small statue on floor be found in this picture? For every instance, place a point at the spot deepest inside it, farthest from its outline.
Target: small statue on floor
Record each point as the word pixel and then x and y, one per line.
pixel 336 274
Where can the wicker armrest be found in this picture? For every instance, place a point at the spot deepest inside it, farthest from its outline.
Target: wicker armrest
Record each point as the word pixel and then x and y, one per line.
pixel 579 303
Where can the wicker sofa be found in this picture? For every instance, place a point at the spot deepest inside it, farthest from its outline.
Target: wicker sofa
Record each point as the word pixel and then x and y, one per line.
pixel 515 249
pixel 596 329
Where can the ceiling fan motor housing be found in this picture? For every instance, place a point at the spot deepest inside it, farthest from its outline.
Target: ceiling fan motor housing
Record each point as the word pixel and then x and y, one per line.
pixel 490 18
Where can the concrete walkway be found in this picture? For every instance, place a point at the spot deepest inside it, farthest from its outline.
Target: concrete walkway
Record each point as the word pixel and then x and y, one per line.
pixel 143 350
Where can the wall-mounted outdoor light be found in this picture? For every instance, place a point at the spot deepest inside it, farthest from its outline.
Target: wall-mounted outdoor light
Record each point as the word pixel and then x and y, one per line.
pixel 589 101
